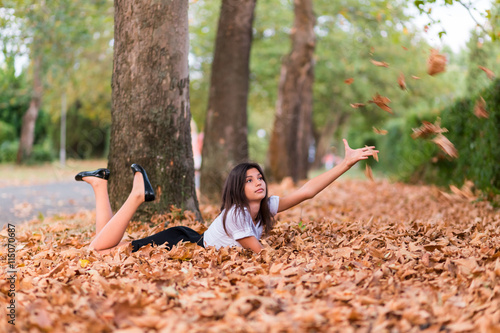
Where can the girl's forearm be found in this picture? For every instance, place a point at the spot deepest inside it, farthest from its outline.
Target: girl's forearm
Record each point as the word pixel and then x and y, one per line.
pixel 319 183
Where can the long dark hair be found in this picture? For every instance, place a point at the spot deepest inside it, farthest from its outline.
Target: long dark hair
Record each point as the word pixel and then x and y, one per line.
pixel 233 194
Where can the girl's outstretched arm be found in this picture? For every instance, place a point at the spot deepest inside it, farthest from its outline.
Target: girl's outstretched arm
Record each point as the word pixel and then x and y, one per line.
pixel 319 183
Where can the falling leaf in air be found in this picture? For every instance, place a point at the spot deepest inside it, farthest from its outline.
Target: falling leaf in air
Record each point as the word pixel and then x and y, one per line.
pixel 369 173
pixel 436 63
pixel 379 63
pixel 415 77
pixel 428 128
pixel 488 72
pixel 480 108
pixel 379 131
pixel 374 153
pixel 349 81
pixel 382 102
pixel 445 145
pixel 357 105
pixel 401 81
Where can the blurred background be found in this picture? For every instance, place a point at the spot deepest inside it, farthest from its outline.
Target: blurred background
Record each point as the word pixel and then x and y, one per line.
pixel 69 81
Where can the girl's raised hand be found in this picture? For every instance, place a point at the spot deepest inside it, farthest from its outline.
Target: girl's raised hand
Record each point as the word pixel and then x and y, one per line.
pixel 352 156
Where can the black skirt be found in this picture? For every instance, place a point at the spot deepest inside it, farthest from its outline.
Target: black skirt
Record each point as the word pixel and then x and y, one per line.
pixel 171 236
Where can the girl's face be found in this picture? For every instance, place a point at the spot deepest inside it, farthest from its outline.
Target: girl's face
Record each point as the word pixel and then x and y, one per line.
pixel 255 186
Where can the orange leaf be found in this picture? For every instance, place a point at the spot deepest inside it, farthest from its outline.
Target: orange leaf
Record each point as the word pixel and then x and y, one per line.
pixel 488 72
pixel 401 81
pixel 381 102
pixel 379 131
pixel 369 173
pixel 436 63
pixel 480 108
pixel 445 145
pixel 349 81
pixel 379 63
pixel 428 128
pixel 357 105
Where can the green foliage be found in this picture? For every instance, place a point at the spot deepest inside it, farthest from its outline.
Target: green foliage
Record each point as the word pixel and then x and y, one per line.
pixel 476 140
pixel 7 132
pixel 14 100
pixel 8 151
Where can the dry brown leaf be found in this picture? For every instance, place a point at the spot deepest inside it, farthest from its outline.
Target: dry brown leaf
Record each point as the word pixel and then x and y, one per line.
pixel 436 63
pixel 382 102
pixel 373 152
pixel 480 108
pixel 428 128
pixel 401 81
pixel 369 173
pixel 357 105
pixel 488 72
pixel 379 131
pixel 445 145
pixel 349 81
pixel 379 63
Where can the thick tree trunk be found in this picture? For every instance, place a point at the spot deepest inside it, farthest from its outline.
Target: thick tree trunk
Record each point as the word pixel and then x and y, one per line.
pixel 150 112
pixel 291 137
pixel 29 119
pixel 324 139
pixel 225 141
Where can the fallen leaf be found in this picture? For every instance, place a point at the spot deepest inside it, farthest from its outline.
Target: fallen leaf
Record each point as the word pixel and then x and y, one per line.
pixel 382 102
pixel 480 108
pixel 436 63
pixel 488 72
pixel 349 81
pixel 357 105
pixel 445 145
pixel 379 131
pixel 369 173
pixel 401 81
pixel 415 77
pixel 428 128
pixel 379 63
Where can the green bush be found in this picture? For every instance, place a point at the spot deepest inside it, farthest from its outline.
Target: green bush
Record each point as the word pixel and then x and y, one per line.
pixel 7 132
pixel 8 151
pixel 476 139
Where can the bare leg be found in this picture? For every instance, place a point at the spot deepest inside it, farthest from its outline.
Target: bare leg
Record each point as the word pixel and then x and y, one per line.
pixel 103 212
pixel 112 233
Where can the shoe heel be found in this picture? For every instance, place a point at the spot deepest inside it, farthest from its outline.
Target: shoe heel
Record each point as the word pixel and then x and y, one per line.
pixel 149 193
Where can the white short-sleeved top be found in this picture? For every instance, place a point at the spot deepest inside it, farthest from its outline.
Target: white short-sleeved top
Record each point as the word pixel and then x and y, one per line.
pixel 238 225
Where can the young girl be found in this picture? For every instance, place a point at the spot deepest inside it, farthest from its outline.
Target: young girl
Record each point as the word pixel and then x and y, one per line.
pixel 246 209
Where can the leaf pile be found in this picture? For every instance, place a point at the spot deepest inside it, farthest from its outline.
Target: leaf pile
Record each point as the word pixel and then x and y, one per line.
pixel 360 257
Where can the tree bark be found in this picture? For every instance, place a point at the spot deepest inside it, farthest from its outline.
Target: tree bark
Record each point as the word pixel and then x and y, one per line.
pixel 225 139
pixel 150 110
pixel 29 119
pixel 291 136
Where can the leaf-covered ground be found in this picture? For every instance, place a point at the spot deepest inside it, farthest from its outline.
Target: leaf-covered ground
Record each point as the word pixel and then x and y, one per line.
pixel 361 257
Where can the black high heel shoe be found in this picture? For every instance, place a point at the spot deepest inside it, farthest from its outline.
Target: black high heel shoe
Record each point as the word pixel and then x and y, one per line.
pixel 149 193
pixel 99 173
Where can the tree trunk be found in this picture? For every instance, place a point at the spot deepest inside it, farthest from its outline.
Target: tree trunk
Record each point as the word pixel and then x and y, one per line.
pixel 325 137
pixel 150 110
pixel 291 136
pixel 225 139
pixel 29 118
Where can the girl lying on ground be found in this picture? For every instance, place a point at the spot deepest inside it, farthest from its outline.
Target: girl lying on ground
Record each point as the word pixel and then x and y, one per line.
pixel 246 209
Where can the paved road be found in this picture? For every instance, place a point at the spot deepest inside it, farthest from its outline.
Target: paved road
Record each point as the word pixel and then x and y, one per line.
pixel 23 203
